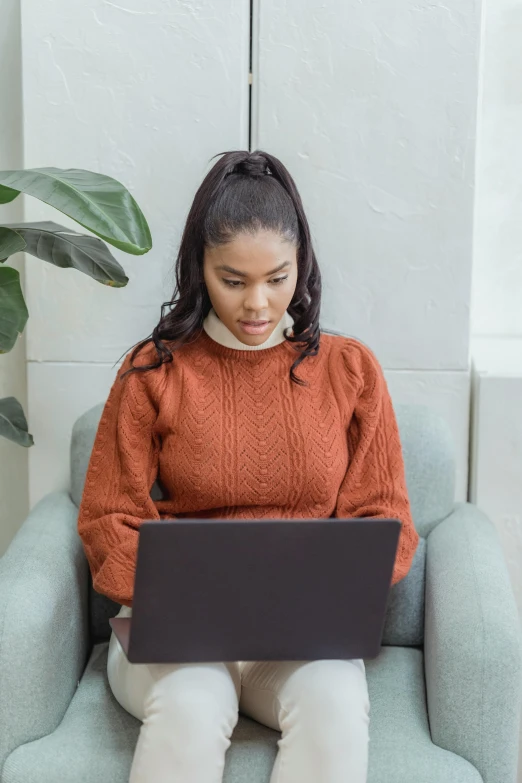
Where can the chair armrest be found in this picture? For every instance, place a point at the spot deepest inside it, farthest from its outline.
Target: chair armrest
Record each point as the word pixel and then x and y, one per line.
pixel 472 645
pixel 44 634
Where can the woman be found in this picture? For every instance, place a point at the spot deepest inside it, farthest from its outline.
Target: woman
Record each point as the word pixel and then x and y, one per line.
pixel 211 408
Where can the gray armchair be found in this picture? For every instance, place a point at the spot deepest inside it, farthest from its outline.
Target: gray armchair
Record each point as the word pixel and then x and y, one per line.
pixel 445 691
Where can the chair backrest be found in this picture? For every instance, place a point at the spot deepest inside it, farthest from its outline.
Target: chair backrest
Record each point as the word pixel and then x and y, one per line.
pixel 429 460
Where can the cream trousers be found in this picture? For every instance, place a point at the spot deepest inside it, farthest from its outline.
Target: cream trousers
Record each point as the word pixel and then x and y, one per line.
pixel 189 711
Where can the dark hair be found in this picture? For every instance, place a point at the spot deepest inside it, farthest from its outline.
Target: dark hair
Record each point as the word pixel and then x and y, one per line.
pixel 243 192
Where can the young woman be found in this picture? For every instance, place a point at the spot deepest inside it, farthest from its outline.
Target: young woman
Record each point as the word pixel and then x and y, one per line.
pixel 210 406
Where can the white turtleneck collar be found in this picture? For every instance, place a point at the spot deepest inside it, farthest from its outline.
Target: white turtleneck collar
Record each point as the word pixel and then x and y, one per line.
pixel 216 329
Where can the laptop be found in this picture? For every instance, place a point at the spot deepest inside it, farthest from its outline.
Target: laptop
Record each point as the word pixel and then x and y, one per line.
pixel 266 589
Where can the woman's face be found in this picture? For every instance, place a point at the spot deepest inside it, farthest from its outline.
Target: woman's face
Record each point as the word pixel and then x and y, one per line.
pixel 252 278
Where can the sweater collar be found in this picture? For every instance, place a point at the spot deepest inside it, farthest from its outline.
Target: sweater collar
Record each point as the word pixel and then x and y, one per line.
pixel 216 329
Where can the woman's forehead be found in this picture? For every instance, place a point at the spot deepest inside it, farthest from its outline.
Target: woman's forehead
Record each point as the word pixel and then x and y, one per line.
pixel 264 250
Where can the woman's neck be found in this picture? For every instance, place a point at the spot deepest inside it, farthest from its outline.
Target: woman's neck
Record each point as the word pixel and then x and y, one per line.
pixel 216 329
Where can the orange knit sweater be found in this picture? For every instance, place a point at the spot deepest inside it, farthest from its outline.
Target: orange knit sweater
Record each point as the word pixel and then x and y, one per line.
pixel 227 434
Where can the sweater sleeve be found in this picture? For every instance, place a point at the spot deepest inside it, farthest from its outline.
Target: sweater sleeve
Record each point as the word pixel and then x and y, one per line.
pixel 122 469
pixel 374 484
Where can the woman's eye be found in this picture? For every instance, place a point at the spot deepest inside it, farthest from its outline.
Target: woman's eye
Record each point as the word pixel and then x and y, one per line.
pixel 235 283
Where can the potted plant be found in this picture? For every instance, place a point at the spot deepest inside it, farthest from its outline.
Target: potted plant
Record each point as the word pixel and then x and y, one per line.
pixel 98 203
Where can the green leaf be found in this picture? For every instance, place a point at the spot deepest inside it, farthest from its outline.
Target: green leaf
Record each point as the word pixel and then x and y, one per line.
pixel 13 310
pixel 10 243
pixel 13 424
pixel 67 248
pixel 97 202
pixel 7 195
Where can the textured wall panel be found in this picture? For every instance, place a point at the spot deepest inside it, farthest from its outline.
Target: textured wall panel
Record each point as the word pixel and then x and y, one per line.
pixel 146 93
pixel 497 263
pixel 372 108
pixel 58 394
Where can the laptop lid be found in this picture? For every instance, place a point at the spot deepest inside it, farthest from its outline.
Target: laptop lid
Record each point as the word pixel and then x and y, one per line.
pixel 223 590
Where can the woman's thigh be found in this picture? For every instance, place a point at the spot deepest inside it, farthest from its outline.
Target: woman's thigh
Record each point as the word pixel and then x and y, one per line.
pixel 271 688
pixel 130 683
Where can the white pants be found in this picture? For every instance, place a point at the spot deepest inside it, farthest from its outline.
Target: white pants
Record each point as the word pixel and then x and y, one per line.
pixel 189 711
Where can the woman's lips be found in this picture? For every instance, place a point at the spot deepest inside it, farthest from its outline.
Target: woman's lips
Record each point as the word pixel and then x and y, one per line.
pixel 252 329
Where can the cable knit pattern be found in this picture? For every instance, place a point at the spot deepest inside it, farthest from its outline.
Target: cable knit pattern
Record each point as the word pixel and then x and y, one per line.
pixel 227 434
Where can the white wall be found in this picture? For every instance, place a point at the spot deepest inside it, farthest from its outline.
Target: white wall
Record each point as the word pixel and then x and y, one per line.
pixel 497 282
pixel 371 107
pixel 13 459
pixel 497 270
pixel 146 94
pixel 496 455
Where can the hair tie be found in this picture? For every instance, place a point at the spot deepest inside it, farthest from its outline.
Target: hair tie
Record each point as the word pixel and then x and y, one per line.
pixel 255 166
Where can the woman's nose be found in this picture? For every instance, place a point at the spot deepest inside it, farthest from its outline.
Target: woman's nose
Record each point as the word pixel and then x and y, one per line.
pixel 256 302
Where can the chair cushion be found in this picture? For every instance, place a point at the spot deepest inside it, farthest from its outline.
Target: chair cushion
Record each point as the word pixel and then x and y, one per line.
pixel 404 619
pixel 428 450
pixel 96 738
pixel 101 609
